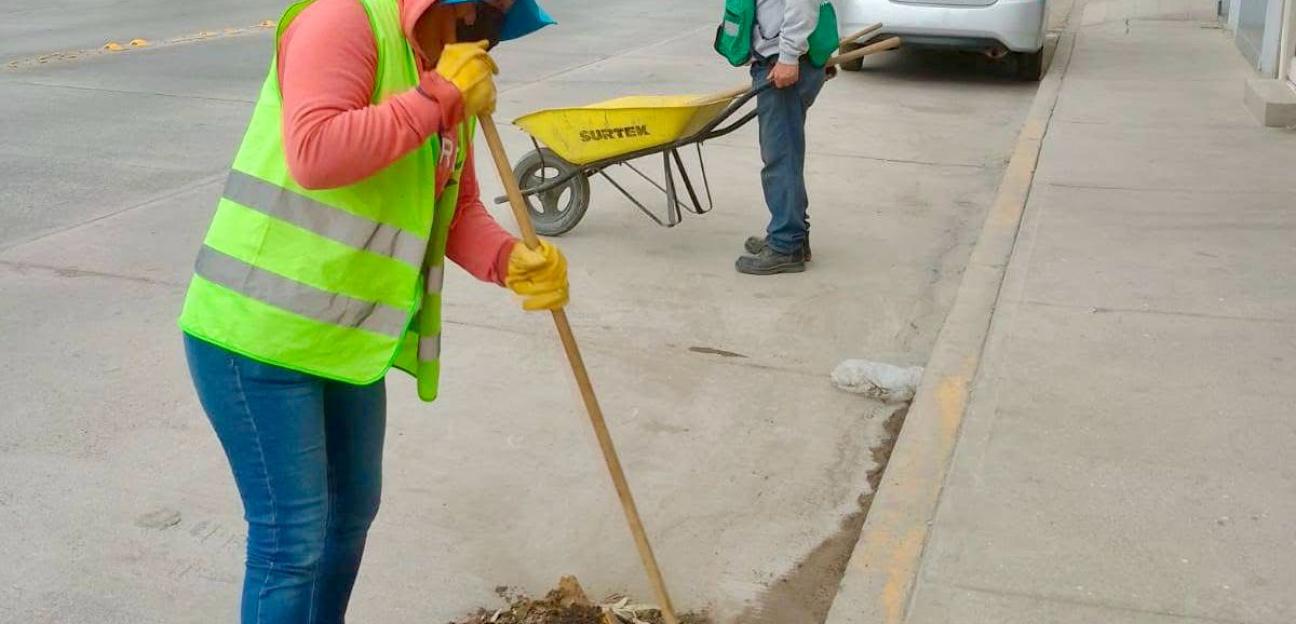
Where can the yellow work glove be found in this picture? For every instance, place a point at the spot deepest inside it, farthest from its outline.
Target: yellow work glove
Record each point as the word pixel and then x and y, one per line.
pixel 539 275
pixel 469 68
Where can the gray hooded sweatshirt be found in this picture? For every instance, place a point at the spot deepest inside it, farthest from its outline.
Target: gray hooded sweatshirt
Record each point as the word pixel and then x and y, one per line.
pixel 783 28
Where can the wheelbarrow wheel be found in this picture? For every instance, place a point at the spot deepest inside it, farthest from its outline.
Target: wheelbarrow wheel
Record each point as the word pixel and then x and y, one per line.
pixel 554 212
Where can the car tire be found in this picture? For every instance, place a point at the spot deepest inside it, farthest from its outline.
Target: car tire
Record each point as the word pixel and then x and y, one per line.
pixel 1030 65
pixel 855 65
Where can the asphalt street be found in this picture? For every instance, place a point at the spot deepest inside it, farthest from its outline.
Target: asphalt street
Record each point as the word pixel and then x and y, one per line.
pixel 117 502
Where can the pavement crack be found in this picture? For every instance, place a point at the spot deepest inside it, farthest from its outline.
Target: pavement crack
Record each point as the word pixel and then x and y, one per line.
pixel 889 161
pixel 949 260
pixel 900 161
pixel 540 80
pixel 715 351
pixel 1099 604
pixel 1149 311
pixel 1166 189
pixel 592 344
pixel 74 273
pixel 204 98
pixel 213 179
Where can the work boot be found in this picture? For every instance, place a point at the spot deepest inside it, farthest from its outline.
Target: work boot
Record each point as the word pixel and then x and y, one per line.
pixel 770 262
pixel 755 244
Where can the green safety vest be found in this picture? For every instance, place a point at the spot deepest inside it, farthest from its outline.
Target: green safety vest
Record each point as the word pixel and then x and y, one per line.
pixel 734 35
pixel 329 282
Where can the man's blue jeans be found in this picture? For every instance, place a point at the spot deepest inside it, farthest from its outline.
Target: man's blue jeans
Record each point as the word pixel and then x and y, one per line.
pixel 782 114
pixel 307 459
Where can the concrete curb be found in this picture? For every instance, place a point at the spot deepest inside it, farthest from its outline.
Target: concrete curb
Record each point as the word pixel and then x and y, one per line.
pixel 880 577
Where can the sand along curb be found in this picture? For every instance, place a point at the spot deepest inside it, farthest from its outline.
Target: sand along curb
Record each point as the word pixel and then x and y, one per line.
pixel 879 579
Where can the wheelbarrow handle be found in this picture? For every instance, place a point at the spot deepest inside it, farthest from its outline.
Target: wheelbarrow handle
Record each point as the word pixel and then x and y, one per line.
pixel 853 37
pixel 890 43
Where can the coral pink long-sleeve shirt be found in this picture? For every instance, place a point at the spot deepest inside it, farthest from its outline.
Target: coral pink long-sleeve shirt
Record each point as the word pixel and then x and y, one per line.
pixel 334 136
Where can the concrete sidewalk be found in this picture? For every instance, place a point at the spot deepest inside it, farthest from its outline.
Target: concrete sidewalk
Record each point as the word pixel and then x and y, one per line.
pixel 1125 453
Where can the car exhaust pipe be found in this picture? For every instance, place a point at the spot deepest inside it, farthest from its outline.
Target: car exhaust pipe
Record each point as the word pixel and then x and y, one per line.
pixel 995 53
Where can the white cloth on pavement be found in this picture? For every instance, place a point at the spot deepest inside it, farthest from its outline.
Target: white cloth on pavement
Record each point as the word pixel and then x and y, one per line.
pixel 878 380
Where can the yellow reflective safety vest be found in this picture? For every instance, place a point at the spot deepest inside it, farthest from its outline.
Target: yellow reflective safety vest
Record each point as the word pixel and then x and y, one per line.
pixel 340 283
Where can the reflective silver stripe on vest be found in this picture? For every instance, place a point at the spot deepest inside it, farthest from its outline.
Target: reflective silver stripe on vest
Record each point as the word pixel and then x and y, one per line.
pixel 305 300
pixel 325 220
pixel 429 348
pixel 435 279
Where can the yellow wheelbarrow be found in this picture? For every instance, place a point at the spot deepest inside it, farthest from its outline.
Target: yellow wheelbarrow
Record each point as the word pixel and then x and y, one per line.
pixel 581 142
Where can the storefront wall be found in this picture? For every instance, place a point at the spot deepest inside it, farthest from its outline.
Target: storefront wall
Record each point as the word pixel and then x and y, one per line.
pixel 1262 31
pixel 1287 66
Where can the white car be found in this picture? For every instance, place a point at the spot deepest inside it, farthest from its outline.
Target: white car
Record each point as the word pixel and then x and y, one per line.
pixel 997 28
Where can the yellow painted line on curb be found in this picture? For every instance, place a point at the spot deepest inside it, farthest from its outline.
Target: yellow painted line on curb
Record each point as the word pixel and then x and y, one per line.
pixel 137 44
pixel 880 578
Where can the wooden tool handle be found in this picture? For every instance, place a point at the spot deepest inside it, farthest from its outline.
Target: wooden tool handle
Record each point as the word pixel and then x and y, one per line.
pixel 853 37
pixel 610 457
pixel 890 43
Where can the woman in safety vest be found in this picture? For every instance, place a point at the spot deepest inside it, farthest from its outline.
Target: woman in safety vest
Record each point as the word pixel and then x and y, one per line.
pixel 323 268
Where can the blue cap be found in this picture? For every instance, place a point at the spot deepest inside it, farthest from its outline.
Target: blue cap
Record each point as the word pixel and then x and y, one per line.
pixel 524 18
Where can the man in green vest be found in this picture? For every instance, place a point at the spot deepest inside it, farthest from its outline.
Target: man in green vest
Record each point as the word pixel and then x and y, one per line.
pixel 787 43
pixel 323 268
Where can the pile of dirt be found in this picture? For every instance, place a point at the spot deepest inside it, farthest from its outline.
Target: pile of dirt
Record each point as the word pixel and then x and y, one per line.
pixel 568 604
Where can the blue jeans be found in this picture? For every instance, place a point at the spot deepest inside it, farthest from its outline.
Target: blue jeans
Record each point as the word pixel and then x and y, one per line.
pixel 782 114
pixel 307 459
